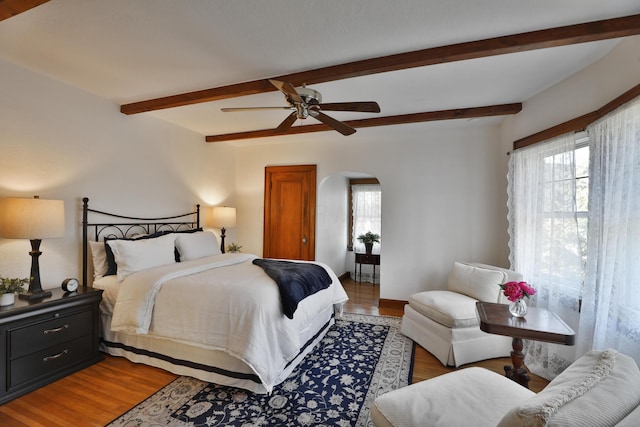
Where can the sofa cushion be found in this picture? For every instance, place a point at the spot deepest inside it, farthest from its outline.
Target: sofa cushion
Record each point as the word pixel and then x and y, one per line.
pixel 471 396
pixel 450 309
pixel 479 283
pixel 599 389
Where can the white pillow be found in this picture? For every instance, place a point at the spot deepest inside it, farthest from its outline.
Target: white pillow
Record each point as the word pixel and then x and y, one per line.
pixel 598 389
pixel 479 283
pixel 197 245
pixel 99 256
pixel 136 255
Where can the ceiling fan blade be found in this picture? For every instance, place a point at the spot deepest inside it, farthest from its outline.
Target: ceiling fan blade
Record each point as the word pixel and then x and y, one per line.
pixel 229 110
pixel 286 123
pixel 330 121
pixel 288 89
pixel 365 107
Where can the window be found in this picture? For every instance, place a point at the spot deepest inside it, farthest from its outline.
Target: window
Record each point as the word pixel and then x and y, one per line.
pixel 588 278
pixel 565 213
pixel 547 238
pixel 365 201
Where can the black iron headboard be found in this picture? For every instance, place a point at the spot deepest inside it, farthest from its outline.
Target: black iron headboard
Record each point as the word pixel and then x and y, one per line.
pixel 125 228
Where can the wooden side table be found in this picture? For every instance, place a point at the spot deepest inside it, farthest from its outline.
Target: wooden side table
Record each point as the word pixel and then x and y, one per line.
pixel 539 325
pixel 371 259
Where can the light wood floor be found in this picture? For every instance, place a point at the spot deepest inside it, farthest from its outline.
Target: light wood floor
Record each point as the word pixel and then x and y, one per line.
pixel 98 394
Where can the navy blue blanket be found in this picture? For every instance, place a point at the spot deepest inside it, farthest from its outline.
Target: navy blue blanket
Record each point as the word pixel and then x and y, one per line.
pixel 295 280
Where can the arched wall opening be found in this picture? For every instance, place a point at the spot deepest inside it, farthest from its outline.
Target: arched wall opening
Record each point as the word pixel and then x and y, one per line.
pixel 332 224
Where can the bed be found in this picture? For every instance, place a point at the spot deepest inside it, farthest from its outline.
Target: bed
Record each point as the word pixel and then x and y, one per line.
pixel 172 300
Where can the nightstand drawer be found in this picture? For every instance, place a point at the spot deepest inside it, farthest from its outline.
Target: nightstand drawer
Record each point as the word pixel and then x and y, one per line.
pixel 368 259
pixel 47 361
pixel 38 336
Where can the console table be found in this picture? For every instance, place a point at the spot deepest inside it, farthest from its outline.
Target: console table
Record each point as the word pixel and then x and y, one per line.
pixel 539 324
pixel 371 259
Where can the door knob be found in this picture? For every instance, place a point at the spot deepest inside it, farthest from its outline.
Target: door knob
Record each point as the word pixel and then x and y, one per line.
pixel 304 240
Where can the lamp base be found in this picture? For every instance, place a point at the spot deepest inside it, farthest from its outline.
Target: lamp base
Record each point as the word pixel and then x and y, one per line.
pixel 222 240
pixel 34 296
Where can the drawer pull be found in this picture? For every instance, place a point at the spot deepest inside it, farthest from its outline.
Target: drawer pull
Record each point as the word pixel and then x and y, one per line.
pixel 55 356
pixel 51 331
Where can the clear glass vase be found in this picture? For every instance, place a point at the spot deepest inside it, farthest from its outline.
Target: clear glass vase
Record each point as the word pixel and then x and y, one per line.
pixel 518 308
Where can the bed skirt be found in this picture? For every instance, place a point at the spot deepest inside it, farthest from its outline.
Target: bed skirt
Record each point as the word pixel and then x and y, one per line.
pixel 209 365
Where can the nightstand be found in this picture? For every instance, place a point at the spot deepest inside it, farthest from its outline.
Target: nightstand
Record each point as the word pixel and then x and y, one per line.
pixel 46 340
pixel 372 259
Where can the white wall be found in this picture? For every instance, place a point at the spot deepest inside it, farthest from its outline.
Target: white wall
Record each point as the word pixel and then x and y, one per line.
pixel 443 195
pixel 332 222
pixel 582 93
pixel 59 142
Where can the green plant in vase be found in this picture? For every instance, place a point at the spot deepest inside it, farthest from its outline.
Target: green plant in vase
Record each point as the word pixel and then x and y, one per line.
pixel 368 239
pixel 10 287
pixel 233 248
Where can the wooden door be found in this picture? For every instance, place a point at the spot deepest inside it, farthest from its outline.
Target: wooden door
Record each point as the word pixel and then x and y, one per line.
pixel 290 212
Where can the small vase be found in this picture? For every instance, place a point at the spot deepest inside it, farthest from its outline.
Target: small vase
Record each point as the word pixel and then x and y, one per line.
pixel 7 299
pixel 518 308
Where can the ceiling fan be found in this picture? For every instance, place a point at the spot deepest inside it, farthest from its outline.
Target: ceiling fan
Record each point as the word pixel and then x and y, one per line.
pixel 305 102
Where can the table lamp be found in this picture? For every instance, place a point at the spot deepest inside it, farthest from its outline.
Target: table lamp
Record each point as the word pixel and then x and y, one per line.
pixel 223 217
pixel 34 219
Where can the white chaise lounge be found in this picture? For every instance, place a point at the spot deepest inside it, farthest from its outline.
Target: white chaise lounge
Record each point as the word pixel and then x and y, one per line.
pixel 445 322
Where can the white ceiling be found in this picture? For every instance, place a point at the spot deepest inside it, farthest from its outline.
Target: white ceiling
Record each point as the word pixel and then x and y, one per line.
pixel 128 51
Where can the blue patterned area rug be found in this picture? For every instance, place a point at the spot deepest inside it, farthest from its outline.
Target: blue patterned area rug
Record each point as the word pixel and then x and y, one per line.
pixel 360 358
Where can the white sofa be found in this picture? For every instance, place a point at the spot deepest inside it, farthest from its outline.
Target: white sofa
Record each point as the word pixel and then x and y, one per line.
pixel 445 322
pixel 600 389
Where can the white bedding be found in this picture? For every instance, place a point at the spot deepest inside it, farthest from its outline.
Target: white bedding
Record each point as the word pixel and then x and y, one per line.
pixel 226 304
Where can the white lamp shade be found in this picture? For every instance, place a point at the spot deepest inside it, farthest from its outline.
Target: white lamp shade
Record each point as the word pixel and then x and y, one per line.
pixel 31 218
pixel 223 217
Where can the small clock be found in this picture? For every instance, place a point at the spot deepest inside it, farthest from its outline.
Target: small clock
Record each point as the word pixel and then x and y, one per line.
pixel 70 284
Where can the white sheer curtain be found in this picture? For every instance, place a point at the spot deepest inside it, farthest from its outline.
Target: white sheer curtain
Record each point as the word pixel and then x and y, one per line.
pixel 611 304
pixel 367 208
pixel 544 240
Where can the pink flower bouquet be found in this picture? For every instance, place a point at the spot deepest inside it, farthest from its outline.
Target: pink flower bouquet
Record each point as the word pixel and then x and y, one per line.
pixel 515 291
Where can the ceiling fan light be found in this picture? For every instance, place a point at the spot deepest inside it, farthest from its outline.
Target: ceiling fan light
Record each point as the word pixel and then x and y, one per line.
pixel 309 96
pixel 302 111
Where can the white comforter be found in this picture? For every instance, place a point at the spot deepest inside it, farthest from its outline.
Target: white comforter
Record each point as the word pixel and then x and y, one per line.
pixel 222 302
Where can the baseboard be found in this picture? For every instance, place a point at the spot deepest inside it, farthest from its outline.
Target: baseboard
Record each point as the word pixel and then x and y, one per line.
pixel 393 304
pixel 346 275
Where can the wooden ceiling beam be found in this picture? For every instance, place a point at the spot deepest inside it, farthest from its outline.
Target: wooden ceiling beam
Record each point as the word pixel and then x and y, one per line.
pixel 9 8
pixel 553 37
pixel 458 113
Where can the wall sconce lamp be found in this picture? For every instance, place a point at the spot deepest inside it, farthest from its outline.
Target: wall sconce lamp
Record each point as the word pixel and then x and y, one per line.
pixel 222 218
pixel 34 219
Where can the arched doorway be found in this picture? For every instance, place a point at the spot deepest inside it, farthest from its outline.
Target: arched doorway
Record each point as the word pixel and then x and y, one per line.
pixel 333 225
